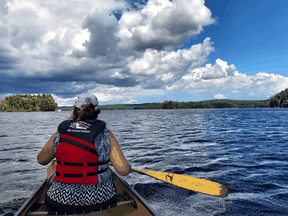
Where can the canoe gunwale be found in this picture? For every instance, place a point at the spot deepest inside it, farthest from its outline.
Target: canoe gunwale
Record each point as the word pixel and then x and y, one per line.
pixel 29 200
pixel 138 196
pixel 33 198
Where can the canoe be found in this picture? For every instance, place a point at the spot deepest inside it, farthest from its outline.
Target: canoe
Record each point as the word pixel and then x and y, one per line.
pixel 128 202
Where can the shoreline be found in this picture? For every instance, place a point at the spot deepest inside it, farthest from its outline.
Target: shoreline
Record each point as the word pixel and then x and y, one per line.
pixel 207 104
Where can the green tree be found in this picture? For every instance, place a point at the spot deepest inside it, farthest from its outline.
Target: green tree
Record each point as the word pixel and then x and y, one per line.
pixel 170 105
pixel 280 99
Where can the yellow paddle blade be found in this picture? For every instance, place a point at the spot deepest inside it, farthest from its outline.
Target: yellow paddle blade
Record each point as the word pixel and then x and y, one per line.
pixel 188 182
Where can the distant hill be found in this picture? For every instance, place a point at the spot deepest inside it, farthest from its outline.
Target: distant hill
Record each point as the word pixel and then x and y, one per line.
pixel 136 104
pixel 28 103
pixel 66 108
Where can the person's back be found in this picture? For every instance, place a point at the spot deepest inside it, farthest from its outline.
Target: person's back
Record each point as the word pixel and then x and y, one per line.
pixel 83 147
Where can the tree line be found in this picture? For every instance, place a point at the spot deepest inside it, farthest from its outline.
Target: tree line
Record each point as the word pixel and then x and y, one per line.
pixel 209 104
pixel 28 103
pixel 278 100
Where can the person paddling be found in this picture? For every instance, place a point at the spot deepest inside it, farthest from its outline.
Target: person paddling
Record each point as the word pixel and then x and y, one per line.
pixel 79 179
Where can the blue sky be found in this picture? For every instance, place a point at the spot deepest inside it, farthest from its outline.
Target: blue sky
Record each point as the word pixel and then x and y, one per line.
pixel 250 34
pixel 148 51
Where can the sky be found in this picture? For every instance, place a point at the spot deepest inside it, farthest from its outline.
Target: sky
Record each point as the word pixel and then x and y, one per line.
pixel 139 51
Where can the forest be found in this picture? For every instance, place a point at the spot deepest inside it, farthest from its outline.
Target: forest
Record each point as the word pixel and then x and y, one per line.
pixel 280 99
pixel 28 103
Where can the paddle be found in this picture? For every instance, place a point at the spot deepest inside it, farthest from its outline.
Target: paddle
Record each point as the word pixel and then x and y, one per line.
pixel 188 182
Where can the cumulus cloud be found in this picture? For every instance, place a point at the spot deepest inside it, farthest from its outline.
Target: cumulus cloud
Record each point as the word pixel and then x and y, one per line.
pixel 222 77
pixel 219 70
pixel 165 67
pixel 44 41
pixel 83 41
pixel 163 23
pixel 103 29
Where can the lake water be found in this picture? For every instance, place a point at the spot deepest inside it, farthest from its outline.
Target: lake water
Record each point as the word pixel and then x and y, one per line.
pixel 245 149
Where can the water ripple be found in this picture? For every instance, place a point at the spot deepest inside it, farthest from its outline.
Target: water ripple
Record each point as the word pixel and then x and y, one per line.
pixel 245 149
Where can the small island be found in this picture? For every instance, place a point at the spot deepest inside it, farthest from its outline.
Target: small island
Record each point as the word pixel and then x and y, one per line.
pixel 28 103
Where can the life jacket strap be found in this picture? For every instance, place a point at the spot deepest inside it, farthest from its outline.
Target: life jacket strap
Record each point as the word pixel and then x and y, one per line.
pixel 81 164
pixel 68 175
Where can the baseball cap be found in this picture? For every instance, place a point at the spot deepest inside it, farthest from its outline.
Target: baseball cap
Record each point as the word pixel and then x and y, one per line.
pixel 85 99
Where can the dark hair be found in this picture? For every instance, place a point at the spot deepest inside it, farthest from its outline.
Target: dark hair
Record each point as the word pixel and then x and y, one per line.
pixel 87 112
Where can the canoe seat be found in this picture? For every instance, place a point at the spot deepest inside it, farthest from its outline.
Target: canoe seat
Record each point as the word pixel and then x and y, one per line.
pixel 41 208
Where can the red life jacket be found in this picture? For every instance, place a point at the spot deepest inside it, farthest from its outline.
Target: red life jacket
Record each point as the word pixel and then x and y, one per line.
pixel 77 159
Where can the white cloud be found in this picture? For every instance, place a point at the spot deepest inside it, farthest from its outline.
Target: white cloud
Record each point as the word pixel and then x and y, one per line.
pixel 83 40
pixel 42 42
pixel 221 77
pixel 163 23
pixel 64 101
pixel 217 71
pixel 171 87
pixel 219 96
pixel 160 67
pixel 103 93
pixel 109 94
pixel 240 85
pixel 83 46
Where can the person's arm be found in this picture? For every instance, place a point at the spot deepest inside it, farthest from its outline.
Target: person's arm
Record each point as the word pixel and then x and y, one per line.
pixel 117 159
pixel 71 116
pixel 46 155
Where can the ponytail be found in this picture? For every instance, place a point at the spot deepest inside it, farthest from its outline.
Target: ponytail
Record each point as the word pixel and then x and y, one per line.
pixel 87 112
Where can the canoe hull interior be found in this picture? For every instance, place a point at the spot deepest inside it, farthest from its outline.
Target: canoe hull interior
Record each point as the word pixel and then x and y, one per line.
pixel 129 202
